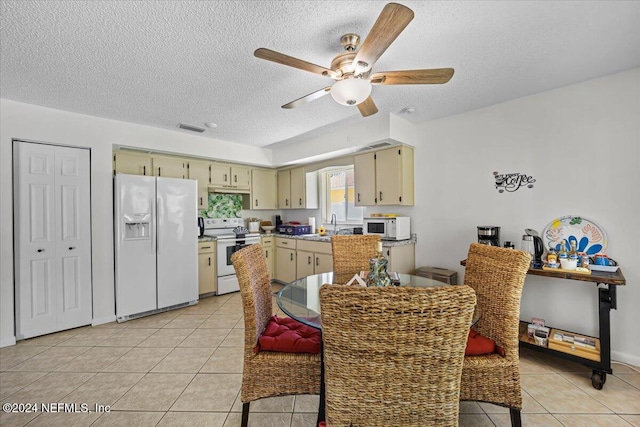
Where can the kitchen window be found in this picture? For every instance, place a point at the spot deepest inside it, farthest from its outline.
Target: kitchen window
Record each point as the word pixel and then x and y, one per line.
pixel 339 196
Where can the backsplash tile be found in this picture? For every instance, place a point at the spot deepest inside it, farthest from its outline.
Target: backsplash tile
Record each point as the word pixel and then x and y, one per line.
pixel 223 206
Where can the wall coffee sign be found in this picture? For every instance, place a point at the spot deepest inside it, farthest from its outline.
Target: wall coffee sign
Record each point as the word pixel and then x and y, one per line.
pixel 511 182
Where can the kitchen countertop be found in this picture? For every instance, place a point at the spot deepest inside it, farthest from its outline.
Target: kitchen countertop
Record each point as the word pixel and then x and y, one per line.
pixel 318 238
pixel 206 239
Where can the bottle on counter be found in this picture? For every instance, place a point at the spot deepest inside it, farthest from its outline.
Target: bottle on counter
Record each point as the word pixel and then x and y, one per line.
pixel 378 275
pixel 563 252
pixel 573 252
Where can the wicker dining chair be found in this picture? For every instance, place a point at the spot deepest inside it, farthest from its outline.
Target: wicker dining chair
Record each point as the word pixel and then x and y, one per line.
pixel 267 373
pixel 393 355
pixel 497 275
pixel 351 255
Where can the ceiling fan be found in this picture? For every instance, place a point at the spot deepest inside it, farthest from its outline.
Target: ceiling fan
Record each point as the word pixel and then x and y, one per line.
pixel 352 70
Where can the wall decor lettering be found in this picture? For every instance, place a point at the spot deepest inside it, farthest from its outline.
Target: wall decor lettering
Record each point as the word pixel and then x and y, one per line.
pixel 511 182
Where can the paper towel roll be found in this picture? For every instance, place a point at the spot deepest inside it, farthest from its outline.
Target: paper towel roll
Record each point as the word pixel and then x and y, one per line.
pixel 312 223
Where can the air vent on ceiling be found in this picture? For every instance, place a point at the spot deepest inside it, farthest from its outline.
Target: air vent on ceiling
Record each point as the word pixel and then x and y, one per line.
pixel 191 128
pixel 374 146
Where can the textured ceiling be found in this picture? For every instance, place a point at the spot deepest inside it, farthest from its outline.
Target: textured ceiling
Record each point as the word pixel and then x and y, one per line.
pixel 162 62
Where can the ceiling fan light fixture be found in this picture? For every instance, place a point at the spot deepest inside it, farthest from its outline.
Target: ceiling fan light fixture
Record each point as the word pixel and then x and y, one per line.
pixel 351 91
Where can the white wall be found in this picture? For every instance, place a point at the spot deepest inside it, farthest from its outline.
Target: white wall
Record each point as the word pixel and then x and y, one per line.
pixel 33 123
pixel 582 145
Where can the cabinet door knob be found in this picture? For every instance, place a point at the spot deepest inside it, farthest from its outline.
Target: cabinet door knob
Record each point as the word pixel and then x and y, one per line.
pixel 71 248
pixel 381 196
pixel 309 260
pixel 292 257
pixel 286 202
pixel 225 177
pixel 300 202
pixel 235 178
pixel 209 260
pixel 317 261
pixel 40 250
pixel 200 201
pixel 358 197
pixel 256 202
pixel 144 170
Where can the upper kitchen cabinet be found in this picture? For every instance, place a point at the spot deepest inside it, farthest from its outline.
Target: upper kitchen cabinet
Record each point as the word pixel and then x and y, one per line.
pixel 168 166
pixel 230 176
pixel 199 170
pixel 297 189
pixel 263 189
pixel 384 177
pixel 132 163
pixel 364 171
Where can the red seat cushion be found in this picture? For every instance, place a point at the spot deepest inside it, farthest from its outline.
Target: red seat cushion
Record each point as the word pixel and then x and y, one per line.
pixel 289 336
pixel 478 345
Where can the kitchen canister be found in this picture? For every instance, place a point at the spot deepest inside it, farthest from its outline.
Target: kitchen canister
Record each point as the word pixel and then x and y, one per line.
pixel 312 224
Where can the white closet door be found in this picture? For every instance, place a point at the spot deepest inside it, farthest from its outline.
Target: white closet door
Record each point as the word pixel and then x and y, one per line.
pixel 36 290
pixel 49 280
pixel 73 242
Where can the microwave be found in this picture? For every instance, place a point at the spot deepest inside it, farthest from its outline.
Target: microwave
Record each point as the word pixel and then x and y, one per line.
pixel 398 228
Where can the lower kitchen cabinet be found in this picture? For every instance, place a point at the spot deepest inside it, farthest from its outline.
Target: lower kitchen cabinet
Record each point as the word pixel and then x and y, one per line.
pixel 207 274
pixel 402 259
pixel 285 260
pixel 313 258
pixel 268 248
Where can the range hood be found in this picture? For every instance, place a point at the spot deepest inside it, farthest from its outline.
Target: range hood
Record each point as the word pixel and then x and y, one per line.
pixel 227 190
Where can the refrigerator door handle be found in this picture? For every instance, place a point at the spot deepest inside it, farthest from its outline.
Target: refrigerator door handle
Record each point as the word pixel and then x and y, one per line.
pixel 158 225
pixel 152 225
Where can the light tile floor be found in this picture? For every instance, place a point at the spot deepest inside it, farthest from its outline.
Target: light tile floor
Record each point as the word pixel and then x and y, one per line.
pixel 184 368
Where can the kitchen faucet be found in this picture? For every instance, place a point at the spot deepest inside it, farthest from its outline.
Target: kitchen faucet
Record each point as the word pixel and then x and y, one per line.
pixel 334 222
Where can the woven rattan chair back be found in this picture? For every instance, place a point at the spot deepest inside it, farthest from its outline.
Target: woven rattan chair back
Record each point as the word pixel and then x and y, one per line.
pixel 267 373
pixel 255 288
pixel 351 255
pixel 497 276
pixel 394 355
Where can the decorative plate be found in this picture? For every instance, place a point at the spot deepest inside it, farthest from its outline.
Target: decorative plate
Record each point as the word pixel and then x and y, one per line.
pixel 589 237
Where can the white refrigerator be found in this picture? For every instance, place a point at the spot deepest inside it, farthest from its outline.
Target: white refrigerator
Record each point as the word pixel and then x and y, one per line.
pixel 156 244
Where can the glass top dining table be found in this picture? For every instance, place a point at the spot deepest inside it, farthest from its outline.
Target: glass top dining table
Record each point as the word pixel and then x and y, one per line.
pixel 300 300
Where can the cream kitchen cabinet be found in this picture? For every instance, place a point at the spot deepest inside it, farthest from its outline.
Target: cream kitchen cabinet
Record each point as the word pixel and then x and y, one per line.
pixel 207 276
pixel 384 177
pixel 132 163
pixel 402 259
pixel 199 170
pixel 364 169
pixel 268 247
pixel 313 258
pixel 297 189
pixel 285 260
pixel 168 167
pixel 230 176
pixel 263 189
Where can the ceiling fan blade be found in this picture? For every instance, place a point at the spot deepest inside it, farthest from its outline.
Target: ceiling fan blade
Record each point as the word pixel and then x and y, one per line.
pixel 308 98
pixel 281 58
pixel 412 77
pixel 367 107
pixel 392 20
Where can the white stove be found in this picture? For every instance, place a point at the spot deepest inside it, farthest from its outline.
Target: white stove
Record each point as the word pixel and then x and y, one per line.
pixel 228 242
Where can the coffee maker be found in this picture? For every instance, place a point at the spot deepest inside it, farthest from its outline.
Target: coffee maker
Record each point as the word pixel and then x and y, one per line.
pixel 489 235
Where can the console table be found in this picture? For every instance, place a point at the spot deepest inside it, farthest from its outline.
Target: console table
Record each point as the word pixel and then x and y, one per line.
pixel 600 360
